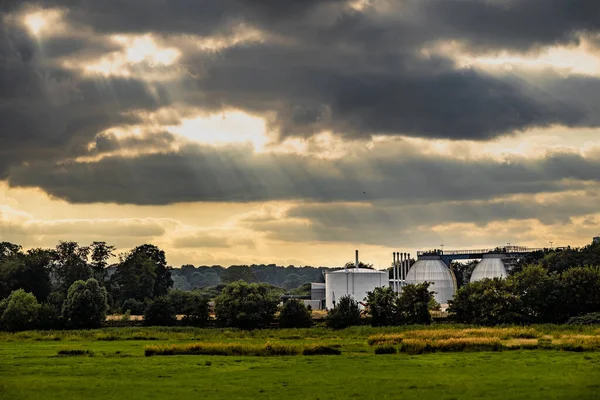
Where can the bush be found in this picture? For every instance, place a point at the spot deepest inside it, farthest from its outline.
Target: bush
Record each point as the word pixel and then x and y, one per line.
pixel 381 303
pixel 75 352
pixel 85 306
pixel 160 312
pixel 346 313
pixel 294 314
pixel 586 319
pixel 19 311
pixel 315 350
pixel 385 350
pixel 196 311
pixel 134 306
pixel 49 317
pixel 245 305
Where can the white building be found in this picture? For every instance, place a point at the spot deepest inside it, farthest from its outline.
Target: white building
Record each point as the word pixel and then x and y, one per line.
pixel 355 282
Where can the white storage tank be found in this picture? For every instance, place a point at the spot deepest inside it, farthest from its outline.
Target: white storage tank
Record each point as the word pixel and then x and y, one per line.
pixel 491 266
pixel 433 270
pixel 355 282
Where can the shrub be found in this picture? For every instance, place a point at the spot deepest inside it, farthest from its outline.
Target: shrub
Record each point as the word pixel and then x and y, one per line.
pixel 245 305
pixel 126 317
pixel 49 317
pixel 294 314
pixel 196 310
pixel 314 350
pixel 75 352
pixel 412 305
pixel 135 307
pixel 586 319
pixel 160 312
pixel 19 311
pixel 85 306
pixel 385 350
pixel 346 313
pixel 381 303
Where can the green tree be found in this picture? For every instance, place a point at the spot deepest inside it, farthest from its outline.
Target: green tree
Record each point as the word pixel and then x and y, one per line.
pixel 85 306
pixel 71 264
pixel 539 294
pixel 28 271
pixel 19 311
pixel 413 303
pixel 487 302
pixel 8 250
pixel 345 313
pixel 142 274
pixel 100 254
pixel 238 273
pixel 295 314
pixel 160 312
pixel 134 306
pixel 246 305
pixel 579 292
pixel 381 303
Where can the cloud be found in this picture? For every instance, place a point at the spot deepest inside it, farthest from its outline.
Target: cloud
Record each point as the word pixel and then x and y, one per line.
pixel 51 113
pixel 214 238
pixel 237 174
pixel 23 228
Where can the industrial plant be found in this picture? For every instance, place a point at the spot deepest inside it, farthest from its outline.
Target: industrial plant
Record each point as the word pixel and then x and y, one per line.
pixel 433 266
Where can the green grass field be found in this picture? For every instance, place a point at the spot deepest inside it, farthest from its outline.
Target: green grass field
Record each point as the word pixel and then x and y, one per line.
pixel 30 367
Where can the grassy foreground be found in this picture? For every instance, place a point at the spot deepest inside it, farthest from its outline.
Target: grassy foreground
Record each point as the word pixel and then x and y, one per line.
pixel 110 363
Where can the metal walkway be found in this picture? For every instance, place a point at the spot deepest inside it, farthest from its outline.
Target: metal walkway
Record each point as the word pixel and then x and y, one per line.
pixel 510 252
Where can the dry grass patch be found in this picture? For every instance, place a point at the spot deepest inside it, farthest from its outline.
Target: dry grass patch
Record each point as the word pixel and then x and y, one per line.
pixel 221 349
pixel 419 346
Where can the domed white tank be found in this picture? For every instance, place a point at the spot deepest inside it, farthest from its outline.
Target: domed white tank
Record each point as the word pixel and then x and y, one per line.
pixel 355 282
pixel 491 266
pixel 432 269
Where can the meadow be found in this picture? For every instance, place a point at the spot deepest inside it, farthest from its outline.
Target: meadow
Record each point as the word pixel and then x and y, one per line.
pixel 439 361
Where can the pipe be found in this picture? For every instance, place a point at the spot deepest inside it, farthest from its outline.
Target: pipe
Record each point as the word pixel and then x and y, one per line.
pixel 401 270
pixel 356 263
pixel 394 271
pixel 407 263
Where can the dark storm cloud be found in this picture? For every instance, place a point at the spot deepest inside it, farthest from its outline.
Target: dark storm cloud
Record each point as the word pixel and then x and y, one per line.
pixel 322 66
pixel 203 173
pixel 313 90
pixel 50 113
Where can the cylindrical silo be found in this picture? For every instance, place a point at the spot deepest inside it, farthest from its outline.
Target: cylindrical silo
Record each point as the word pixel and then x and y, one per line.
pixel 491 266
pixel 433 270
pixel 355 282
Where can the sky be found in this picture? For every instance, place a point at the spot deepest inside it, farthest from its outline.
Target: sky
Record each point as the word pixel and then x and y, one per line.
pixel 294 132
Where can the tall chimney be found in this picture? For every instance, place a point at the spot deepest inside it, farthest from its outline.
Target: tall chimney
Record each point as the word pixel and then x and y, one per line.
pixel 407 264
pixel 356 263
